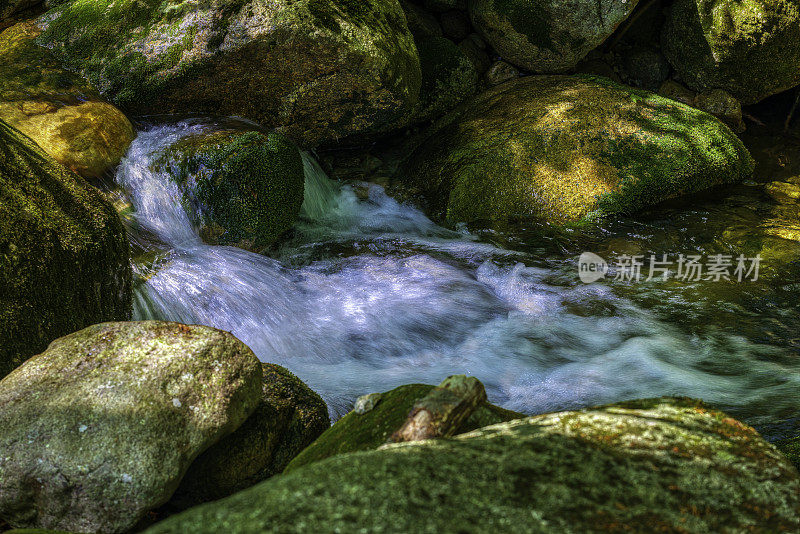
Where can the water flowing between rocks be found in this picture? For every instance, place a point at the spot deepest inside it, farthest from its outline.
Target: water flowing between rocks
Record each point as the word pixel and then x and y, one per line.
pixel 368 294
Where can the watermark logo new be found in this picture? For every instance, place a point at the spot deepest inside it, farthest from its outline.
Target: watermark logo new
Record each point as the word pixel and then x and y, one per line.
pixel 591 267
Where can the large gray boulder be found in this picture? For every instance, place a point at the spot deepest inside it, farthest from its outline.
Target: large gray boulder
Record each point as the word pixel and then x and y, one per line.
pixel 102 426
pixel 322 70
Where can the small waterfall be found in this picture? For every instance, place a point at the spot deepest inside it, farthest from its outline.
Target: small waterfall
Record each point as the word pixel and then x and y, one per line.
pixel 369 294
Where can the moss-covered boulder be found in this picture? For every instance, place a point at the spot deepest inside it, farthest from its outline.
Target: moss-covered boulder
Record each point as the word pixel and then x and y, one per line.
pixel 791 448
pixel 666 465
pixel 102 426
pixel 289 417
pixel 448 77
pixel 750 48
pixel 320 69
pixel 547 35
pixel 11 7
pixel 61 112
pixel 373 428
pixel 64 255
pixel 243 188
pixel 568 149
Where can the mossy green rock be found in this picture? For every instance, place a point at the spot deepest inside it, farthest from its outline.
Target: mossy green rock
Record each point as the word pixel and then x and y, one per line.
pixel 322 70
pixel 102 426
pixel 750 48
pixel 791 448
pixel 61 112
pixel 289 417
pixel 244 188
pixel 566 150
pixel 448 77
pixel 666 465
pixel 368 431
pixel 64 255
pixel 547 35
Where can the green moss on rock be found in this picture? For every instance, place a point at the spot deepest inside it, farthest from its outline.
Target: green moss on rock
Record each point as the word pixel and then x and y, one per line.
pixel 547 35
pixel 791 448
pixel 321 70
pixel 64 257
pixel 568 150
pixel 60 111
pixel 289 417
pixel 448 77
pixel 245 188
pixel 102 426
pixel 368 431
pixel 668 465
pixel 750 48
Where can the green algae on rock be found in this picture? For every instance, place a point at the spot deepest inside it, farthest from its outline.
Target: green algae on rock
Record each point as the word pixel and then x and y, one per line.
pixel 750 48
pixel 321 70
pixel 661 464
pixel 102 426
pixel 247 186
pixel 289 417
pixel 448 77
pixel 61 112
pixel 566 150
pixel 64 255
pixel 547 36
pixel 373 428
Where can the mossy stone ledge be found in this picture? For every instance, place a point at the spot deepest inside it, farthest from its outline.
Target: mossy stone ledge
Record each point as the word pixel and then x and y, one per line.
pixel 64 254
pixel 568 150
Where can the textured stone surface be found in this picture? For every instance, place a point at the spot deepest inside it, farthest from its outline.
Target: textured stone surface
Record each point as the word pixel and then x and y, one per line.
pixel 666 465
pixel 547 35
pixel 568 149
pixel 61 112
pixel 750 48
pixel 322 70
pixel 102 426
pixel 64 258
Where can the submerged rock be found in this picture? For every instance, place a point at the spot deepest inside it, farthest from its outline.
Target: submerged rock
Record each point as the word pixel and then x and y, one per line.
pixel 547 35
pixel 64 256
pixel 289 417
pixel 663 464
pixel 448 77
pixel 372 428
pixel 750 48
pixel 244 188
pixel 101 426
pixel 322 70
pixel 569 149
pixel 61 112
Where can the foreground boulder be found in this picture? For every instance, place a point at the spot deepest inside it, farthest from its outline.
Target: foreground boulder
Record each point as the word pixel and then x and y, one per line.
pixel 569 149
pixel 666 465
pixel 322 70
pixel 379 415
pixel 750 49
pixel 102 426
pixel 64 257
pixel 289 417
pixel 61 112
pixel 244 188
pixel 547 35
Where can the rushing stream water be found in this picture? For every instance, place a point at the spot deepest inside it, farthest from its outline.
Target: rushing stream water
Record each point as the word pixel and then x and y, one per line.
pixel 369 294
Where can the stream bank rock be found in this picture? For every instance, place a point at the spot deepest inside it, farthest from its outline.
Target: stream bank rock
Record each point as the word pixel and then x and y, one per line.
pixel 749 48
pixel 567 150
pixel 448 77
pixel 289 417
pixel 102 426
pixel 64 255
pixel 547 36
pixel 61 112
pixel 389 411
pixel 243 188
pixel 659 464
pixel 322 70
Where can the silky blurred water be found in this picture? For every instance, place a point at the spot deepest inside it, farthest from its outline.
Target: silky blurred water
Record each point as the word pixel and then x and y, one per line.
pixel 369 294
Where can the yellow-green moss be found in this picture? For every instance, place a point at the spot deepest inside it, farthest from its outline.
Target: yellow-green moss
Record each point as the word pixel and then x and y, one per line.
pixel 64 258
